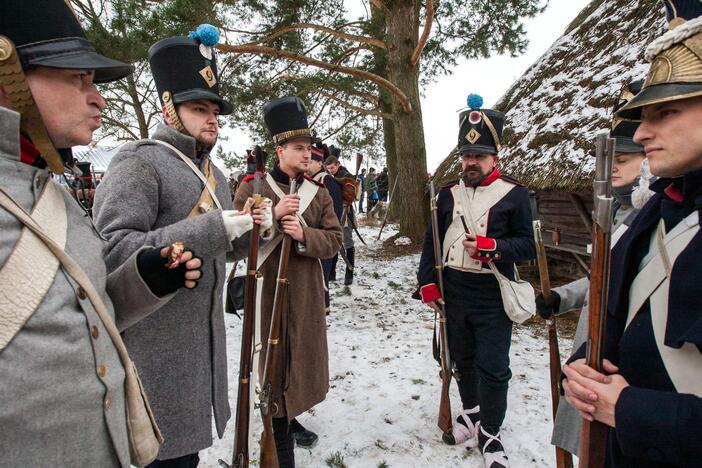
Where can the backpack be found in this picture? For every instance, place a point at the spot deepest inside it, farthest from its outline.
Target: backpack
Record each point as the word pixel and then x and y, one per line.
pixel 350 189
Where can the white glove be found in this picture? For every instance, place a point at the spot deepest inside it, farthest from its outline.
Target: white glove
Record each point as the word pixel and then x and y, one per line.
pixel 267 213
pixel 236 224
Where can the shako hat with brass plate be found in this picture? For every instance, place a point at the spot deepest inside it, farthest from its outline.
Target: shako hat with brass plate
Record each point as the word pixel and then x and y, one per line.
pixel 185 68
pixel 676 60
pixel 286 118
pixel 623 130
pixel 46 33
pixel 480 130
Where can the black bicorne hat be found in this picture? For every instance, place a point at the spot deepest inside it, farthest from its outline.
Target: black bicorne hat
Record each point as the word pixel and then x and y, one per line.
pixel 185 68
pixel 286 118
pixel 623 130
pixel 676 60
pixel 46 33
pixel 480 130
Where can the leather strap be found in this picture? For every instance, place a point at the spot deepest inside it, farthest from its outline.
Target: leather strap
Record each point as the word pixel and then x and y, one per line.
pixel 31 268
pixel 196 171
pixel 72 268
pixel 653 284
pixel 205 202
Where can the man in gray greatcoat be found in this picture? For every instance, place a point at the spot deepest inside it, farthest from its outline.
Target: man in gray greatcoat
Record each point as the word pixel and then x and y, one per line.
pixel 626 170
pixel 154 191
pixel 61 379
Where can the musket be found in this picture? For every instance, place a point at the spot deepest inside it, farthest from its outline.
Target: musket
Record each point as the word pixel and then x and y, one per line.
pixel 563 458
pixel 593 439
pixel 269 456
pixel 444 422
pixel 387 207
pixel 240 457
pixel 359 161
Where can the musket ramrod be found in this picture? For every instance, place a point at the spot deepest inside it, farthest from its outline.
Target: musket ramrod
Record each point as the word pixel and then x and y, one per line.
pixel 563 458
pixel 269 455
pixel 593 439
pixel 444 422
pixel 240 458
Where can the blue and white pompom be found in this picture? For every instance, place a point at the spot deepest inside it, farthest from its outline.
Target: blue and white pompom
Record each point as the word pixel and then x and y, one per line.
pixel 207 34
pixel 475 101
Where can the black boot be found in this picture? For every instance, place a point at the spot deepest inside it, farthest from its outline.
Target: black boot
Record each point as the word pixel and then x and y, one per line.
pixel 348 279
pixel 304 438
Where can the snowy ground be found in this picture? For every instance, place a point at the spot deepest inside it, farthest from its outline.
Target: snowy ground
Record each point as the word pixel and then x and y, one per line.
pixel 382 407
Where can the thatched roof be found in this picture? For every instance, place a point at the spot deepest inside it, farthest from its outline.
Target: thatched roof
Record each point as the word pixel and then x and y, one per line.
pixel 555 109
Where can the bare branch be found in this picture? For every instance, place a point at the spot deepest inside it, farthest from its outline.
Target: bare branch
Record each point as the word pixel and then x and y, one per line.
pixel 425 33
pixel 121 125
pixel 355 108
pixel 348 121
pixel 333 32
pixel 380 81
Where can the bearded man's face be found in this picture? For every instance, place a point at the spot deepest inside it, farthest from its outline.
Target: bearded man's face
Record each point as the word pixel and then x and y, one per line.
pixel 476 167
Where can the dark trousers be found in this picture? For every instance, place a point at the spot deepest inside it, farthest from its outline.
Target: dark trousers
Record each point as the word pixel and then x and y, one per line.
pixel 479 335
pixel 186 461
pixel 284 443
pixel 327 265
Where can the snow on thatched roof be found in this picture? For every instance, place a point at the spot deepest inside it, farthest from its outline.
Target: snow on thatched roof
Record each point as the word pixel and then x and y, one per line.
pixel 555 109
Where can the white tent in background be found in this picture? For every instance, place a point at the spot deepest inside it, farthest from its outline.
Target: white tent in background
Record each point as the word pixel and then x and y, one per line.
pixel 98 156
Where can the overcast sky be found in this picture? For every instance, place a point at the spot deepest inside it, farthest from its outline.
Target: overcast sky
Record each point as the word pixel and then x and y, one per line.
pixel 488 77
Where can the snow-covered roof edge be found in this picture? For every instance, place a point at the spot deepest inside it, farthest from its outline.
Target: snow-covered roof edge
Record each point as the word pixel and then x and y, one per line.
pixel 565 98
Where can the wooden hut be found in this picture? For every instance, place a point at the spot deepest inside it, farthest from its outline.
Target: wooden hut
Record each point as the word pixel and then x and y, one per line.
pixel 558 106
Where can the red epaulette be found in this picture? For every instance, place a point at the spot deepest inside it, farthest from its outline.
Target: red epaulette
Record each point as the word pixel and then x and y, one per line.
pixel 512 181
pixel 449 184
pixel 314 181
pixel 248 178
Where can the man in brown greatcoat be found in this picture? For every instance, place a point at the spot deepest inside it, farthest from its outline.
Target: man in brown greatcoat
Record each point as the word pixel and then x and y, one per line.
pixel 309 218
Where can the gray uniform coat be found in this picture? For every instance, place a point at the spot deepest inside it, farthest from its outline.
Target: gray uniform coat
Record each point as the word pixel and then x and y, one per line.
pixel 180 351
pixel 55 409
pixel 574 296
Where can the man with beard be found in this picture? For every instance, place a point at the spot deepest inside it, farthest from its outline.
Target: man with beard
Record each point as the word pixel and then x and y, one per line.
pixel 626 171
pixel 165 189
pixel 300 379
pixel 479 330
pixel 62 377
pixel 650 394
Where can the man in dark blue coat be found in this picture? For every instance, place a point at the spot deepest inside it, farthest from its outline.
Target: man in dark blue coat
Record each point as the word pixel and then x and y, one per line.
pixel 479 330
pixel 651 396
pixel 317 172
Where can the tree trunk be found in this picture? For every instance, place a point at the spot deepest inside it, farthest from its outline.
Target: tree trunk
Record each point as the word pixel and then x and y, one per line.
pixel 380 57
pixel 411 202
pixel 138 107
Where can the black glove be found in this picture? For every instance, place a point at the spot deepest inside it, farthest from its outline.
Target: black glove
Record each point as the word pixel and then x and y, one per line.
pixel 160 280
pixel 546 308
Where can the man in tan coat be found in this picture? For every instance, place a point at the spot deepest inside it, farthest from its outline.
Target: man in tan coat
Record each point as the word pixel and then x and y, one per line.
pixel 301 379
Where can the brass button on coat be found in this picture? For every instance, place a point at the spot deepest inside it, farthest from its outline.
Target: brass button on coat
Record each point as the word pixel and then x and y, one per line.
pixel 101 371
pixel 94 331
pixel 107 403
pixel 81 294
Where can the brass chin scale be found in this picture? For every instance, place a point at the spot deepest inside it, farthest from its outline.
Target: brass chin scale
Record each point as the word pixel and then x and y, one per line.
pixel 17 90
